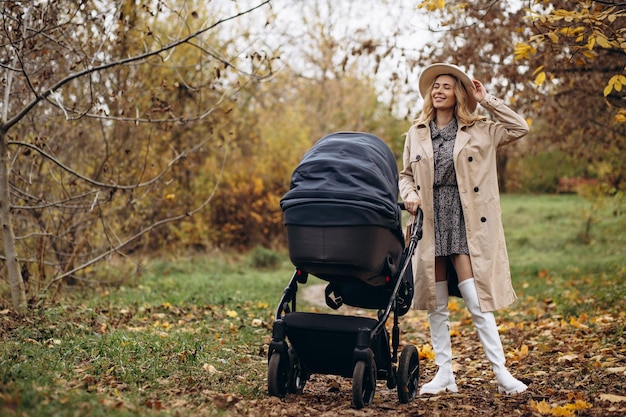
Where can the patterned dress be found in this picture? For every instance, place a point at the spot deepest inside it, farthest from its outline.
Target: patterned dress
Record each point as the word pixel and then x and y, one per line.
pixel 450 234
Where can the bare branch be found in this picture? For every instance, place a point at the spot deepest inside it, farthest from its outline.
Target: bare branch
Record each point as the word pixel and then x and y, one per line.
pixel 138 120
pixel 102 184
pixel 43 95
pixel 142 232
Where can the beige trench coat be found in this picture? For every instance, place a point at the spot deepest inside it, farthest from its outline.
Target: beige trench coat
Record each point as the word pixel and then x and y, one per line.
pixel 475 164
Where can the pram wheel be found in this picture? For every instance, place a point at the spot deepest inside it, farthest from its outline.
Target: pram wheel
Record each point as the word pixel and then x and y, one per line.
pixel 277 376
pixel 363 384
pixel 297 378
pixel 408 374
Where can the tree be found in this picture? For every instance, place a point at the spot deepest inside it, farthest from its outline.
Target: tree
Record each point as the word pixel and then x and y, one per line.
pixel 577 54
pixel 583 33
pixel 491 39
pixel 330 61
pixel 89 141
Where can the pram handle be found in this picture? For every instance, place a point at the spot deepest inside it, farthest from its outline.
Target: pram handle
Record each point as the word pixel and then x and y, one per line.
pixel 419 215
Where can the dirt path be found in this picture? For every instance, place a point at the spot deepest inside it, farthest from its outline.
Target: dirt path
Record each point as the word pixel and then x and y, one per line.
pixel 314 295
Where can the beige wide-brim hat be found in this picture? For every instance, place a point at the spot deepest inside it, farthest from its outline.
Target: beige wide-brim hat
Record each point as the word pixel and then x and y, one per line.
pixel 430 74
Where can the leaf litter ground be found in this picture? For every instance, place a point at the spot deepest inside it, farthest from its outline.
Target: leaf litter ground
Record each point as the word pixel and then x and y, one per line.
pixel 574 366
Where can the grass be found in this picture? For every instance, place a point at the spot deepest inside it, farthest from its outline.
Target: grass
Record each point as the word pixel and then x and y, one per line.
pixel 192 334
pixel 555 258
pixel 188 331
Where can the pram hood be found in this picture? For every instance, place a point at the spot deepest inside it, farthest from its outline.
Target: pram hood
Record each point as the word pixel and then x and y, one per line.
pixel 345 179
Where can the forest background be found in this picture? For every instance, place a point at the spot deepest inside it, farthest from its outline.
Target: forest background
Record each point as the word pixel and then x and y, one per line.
pixel 136 129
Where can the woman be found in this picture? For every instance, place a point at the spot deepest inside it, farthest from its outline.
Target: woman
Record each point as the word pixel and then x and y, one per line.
pixel 450 172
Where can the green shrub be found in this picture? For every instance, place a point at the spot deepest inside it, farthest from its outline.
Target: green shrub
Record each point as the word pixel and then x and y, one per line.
pixel 541 173
pixel 264 258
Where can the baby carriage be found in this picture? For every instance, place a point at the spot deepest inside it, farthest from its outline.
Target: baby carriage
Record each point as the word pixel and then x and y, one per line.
pixel 344 226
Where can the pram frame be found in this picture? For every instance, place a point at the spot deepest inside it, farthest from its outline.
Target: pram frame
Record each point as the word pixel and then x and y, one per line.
pixel 287 375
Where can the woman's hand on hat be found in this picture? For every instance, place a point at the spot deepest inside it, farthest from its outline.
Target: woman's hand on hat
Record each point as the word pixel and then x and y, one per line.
pixel 479 91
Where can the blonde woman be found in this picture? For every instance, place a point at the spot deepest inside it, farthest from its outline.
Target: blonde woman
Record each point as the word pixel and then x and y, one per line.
pixel 449 170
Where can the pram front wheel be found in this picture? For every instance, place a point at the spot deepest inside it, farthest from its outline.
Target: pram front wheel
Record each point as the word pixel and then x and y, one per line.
pixel 363 384
pixel 277 376
pixel 296 377
pixel 285 378
pixel 408 374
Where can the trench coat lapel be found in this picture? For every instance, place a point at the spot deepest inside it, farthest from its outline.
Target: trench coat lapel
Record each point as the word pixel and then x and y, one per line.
pixel 426 143
pixel 462 138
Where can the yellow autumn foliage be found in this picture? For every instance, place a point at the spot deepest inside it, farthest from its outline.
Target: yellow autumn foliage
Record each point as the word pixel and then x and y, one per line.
pixel 567 410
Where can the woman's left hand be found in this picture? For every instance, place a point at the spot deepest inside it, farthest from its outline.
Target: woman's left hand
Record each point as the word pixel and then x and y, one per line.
pixel 479 91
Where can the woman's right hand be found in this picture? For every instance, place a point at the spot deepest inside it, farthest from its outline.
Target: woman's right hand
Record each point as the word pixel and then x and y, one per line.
pixel 411 204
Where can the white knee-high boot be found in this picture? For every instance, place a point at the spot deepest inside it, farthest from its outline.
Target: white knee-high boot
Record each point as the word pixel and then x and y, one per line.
pixel 439 322
pixel 487 330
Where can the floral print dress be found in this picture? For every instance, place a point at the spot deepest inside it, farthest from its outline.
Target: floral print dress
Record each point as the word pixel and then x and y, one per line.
pixel 450 234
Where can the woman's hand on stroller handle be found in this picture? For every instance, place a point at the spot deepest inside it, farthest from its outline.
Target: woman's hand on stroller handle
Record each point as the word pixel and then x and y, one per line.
pixel 415 226
pixel 418 211
pixel 411 205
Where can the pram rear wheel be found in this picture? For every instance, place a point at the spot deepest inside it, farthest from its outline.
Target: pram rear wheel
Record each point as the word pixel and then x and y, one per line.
pixel 408 374
pixel 363 384
pixel 277 376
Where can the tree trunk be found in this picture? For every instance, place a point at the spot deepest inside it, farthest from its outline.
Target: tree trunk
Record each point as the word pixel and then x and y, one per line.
pixel 502 160
pixel 18 293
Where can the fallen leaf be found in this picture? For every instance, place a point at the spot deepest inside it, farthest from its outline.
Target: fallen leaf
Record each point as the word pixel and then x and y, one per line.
pixel 560 411
pixel 578 405
pixel 224 400
pixel 541 407
pixel 426 352
pixel 210 368
pixel 154 404
pixel 567 358
pixel 613 398
pixel 519 354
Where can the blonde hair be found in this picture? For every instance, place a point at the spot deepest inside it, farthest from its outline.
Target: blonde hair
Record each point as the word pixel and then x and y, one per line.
pixel 464 115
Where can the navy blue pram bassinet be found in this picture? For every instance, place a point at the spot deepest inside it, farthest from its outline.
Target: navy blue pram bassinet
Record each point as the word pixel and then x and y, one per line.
pixel 343 198
pixel 344 225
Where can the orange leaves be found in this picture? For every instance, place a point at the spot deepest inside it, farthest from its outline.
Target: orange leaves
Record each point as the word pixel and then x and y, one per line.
pixel 580 31
pixel 579 322
pixel 246 211
pixel 426 352
pixel 600 39
pixel 432 5
pixel 615 83
pixel 523 51
pixel 540 79
pixel 567 410
pixel 542 407
pixel 454 305
pixel 519 354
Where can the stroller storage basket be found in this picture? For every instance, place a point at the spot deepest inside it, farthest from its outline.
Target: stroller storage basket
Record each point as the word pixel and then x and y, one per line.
pixel 325 343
